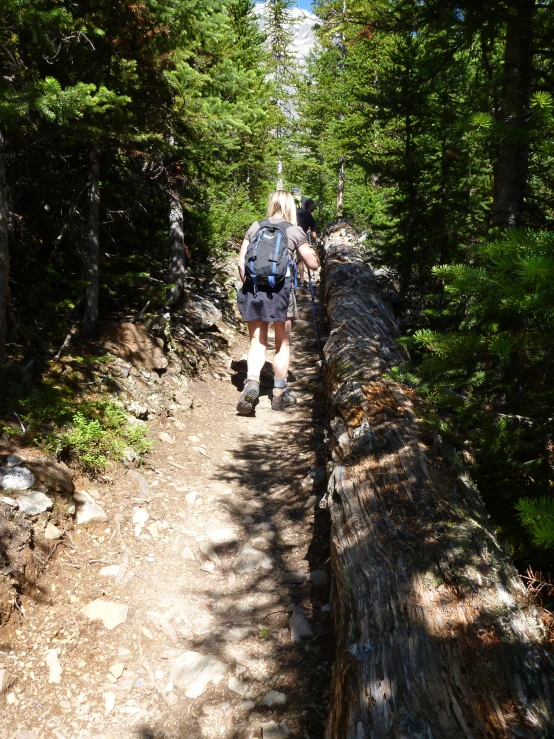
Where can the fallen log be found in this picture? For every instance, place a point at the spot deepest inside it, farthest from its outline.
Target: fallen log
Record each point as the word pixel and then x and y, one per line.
pixel 436 637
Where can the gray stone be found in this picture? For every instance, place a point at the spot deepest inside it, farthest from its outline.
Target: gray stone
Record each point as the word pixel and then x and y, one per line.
pixel 200 313
pixel 299 625
pixel 318 578
pixel 16 478
pixel 137 410
pixel 183 398
pixel 6 681
pixel 274 699
pixel 33 503
pixel 87 509
pixel 52 532
pixel 8 501
pixel 111 614
pixel 14 460
pixel 245 708
pixel 223 537
pixel 295 578
pixel 271 730
pixel 54 666
pixel 193 672
pixel 250 559
pixel 237 686
pixel 310 502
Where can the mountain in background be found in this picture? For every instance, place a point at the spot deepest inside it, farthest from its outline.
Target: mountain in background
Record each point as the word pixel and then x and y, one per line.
pixel 303 30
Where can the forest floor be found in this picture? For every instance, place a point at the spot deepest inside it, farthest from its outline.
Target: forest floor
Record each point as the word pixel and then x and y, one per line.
pixel 220 553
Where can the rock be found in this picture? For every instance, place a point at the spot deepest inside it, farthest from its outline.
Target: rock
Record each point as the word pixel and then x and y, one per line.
pixel 222 537
pixel 299 625
pixel 271 730
pixel 129 455
pixel 273 698
pixel 111 614
pixel 117 670
pixel 25 734
pixel 109 702
pixel 193 672
pixel 53 664
pixel 310 502
pixel 318 578
pixel 140 516
pixel 250 559
pixel 166 438
pixel 190 498
pixel 237 686
pixel 133 344
pixel 208 551
pixel 245 708
pixel 8 501
pixel 52 532
pixel 208 567
pixel 14 460
pixel 33 503
pixel 195 439
pixel 16 478
pixel 11 699
pixel 55 477
pixel 153 530
pixel 200 313
pixel 109 571
pixel 187 553
pixel 6 681
pixel 181 397
pixel 295 578
pixel 137 410
pixel 87 509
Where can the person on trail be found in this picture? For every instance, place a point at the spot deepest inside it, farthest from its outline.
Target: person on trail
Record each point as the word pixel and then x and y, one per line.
pixel 305 219
pixel 299 199
pixel 277 242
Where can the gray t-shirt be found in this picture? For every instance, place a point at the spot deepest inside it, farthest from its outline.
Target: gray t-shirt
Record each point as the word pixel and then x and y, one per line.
pixel 295 235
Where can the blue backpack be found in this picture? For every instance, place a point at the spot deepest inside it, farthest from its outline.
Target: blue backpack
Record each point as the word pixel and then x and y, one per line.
pixel 267 256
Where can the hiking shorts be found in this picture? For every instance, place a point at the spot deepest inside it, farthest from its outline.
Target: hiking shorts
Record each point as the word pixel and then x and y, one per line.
pixel 268 306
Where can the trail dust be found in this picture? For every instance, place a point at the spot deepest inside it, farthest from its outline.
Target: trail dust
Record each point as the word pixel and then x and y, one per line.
pixel 212 562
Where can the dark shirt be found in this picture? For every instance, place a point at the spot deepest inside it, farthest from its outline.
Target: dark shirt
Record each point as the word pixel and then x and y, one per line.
pixel 305 220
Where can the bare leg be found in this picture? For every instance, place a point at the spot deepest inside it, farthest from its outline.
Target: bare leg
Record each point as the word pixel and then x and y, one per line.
pixel 282 352
pixel 258 346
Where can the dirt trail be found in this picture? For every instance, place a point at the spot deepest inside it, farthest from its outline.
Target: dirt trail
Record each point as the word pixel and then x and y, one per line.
pixel 249 480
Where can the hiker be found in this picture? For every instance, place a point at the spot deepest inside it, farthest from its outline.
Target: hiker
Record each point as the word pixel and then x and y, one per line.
pixel 299 199
pixel 305 219
pixel 266 266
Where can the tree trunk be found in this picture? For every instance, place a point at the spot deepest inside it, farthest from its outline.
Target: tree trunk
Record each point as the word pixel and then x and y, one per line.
pixel 340 188
pixel 409 252
pixel 4 252
pixel 177 253
pixel 436 637
pixel 511 167
pixel 93 245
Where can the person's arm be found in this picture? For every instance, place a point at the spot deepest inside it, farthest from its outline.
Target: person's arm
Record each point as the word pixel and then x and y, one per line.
pixel 242 254
pixel 308 256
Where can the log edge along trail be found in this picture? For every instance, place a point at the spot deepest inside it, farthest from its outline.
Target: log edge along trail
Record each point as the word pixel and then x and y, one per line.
pixel 436 636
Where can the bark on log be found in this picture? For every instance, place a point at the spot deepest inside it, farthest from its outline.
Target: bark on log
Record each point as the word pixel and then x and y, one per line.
pixel 436 637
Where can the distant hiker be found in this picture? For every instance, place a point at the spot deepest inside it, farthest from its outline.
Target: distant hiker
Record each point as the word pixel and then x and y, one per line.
pixel 266 266
pixel 299 199
pixel 305 219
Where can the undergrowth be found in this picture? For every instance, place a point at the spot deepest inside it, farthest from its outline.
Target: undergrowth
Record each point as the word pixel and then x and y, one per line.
pixel 67 414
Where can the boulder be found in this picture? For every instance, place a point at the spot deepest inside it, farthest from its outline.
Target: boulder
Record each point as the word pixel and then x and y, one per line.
pixel 16 478
pixel 200 313
pixel 134 344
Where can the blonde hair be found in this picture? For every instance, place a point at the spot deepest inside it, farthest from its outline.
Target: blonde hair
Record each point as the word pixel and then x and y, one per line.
pixel 281 203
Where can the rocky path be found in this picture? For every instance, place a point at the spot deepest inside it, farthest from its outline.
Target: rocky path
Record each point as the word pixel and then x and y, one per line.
pixel 200 607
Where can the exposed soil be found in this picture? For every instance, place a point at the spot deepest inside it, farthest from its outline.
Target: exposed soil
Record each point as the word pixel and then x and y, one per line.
pixel 253 475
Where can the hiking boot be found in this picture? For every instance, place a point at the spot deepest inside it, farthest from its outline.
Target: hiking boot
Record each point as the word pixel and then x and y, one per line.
pixel 248 397
pixel 283 401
